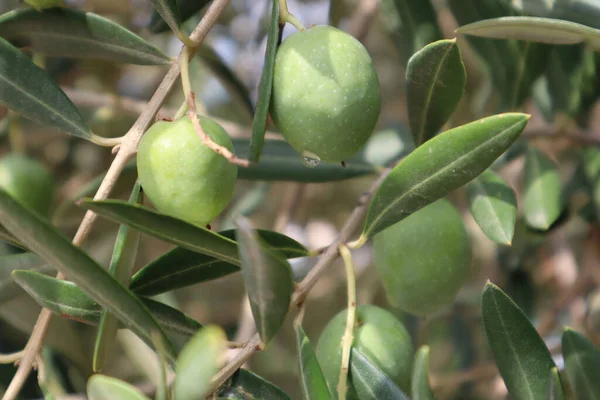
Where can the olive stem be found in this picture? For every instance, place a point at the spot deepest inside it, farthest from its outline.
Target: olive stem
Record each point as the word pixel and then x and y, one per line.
pixel 126 151
pixel 185 82
pixel 106 142
pixel 285 16
pixel 208 142
pixel 11 358
pixel 348 337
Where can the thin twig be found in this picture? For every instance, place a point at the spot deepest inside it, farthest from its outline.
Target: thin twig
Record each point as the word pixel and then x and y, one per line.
pixel 127 149
pixel 552 134
pixel 11 358
pixel 208 142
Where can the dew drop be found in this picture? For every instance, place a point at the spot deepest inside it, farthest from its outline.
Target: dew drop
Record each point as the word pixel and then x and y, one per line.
pixel 311 160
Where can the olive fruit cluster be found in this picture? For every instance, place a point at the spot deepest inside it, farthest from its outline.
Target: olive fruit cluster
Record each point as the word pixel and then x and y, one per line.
pixel 378 335
pixel 27 181
pixel 326 97
pixel 181 175
pixel 424 259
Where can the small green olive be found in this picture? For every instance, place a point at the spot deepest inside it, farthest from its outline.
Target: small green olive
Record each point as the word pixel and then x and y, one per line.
pixel 378 335
pixel 182 176
pixel 326 97
pixel 27 181
pixel 424 259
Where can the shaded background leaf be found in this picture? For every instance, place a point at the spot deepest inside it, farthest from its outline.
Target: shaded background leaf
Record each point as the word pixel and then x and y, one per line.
pixel 313 382
pixel 582 359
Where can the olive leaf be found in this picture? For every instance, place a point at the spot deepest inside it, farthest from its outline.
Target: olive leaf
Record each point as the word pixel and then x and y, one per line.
pixel 169 12
pixel 370 382
pixel 435 83
pixel 101 387
pixel 66 32
pixel 555 389
pixel 186 9
pixel 268 280
pixel 444 163
pixel 493 205
pixel 245 385
pixel 23 261
pixel 420 387
pixel 542 197
pixel 582 361
pixel 312 380
pixel 521 355
pixel 29 91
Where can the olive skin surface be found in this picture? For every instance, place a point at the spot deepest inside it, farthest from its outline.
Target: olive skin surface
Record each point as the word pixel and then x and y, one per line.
pixel 27 181
pixel 378 335
pixel 180 175
pixel 326 96
pixel 425 259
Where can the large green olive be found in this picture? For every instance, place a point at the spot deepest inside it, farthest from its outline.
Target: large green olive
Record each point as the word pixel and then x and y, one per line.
pixel 326 98
pixel 378 335
pixel 424 259
pixel 28 182
pixel 181 175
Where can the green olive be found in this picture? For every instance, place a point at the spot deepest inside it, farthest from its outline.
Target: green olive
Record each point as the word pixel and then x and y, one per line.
pixel 42 4
pixel 424 259
pixel 182 176
pixel 326 98
pixel 27 181
pixel 378 335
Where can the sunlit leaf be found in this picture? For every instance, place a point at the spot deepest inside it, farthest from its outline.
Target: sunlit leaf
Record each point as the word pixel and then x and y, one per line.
pixel 542 197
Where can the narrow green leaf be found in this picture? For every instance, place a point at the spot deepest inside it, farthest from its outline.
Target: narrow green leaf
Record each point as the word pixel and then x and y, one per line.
pixel 67 300
pixel 521 355
pixel 187 9
pixel 420 387
pixel 267 278
pixel 535 29
pixel 121 266
pixel 79 267
pixel 29 90
pixel 582 363
pixel 312 380
pixel 279 162
pixel 586 12
pixel 181 267
pixel 167 228
pixel 555 388
pixel 245 385
pixel 261 113
pixel 493 204
pixel 444 163
pixel 198 362
pixel 101 387
pixel 169 12
pixel 24 261
pixel 8 237
pixel 65 32
pixel 370 382
pixel 411 23
pixel 542 202
pixel 435 83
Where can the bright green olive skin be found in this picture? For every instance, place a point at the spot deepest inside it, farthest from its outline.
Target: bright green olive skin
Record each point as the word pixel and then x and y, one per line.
pixel 28 182
pixel 424 260
pixel 326 96
pixel 180 175
pixel 378 335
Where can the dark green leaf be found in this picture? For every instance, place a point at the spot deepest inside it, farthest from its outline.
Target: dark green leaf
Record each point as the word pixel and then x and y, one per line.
pixel 181 267
pixel 581 11
pixel 102 387
pixel 187 8
pixel 312 380
pixel 582 363
pixel 435 83
pixel 79 267
pixel 261 113
pixel 420 387
pixel 121 265
pixel 555 389
pixel 167 228
pixel 279 162
pixel 370 382
pixel 412 24
pixel 493 204
pixel 444 163
pixel 29 261
pixel 542 203
pixel 8 237
pixel 66 32
pixel 28 90
pixel 198 362
pixel 267 278
pixel 66 299
pixel 521 355
pixel 169 12
pixel 245 385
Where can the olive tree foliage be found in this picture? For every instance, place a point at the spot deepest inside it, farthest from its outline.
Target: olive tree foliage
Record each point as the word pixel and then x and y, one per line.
pixel 467 124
